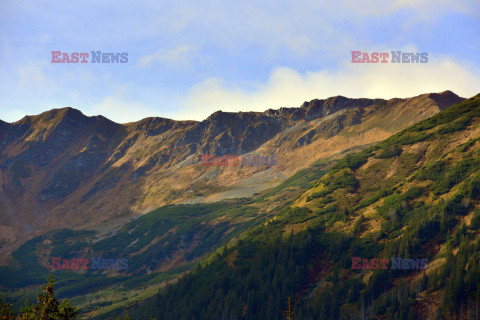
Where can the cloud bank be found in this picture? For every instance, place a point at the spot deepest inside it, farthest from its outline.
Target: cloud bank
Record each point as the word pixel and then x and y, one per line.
pixel 289 88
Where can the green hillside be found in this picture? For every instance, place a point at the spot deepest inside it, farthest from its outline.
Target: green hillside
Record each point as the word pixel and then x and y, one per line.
pixel 160 246
pixel 413 196
pixel 175 236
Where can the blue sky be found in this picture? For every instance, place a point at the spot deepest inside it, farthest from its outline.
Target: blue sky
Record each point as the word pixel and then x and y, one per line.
pixel 188 59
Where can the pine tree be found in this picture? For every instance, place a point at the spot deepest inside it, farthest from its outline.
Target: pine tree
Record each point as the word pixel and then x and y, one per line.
pixel 6 310
pixel 47 308
pixel 289 312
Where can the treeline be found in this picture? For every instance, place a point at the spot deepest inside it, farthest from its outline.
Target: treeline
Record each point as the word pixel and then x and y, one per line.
pixel 248 283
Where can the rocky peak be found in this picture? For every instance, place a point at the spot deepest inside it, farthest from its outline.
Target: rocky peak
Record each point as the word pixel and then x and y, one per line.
pixel 153 126
pixel 69 115
pixel 338 103
pixel 235 122
pixel 444 99
pixel 321 108
pixel 234 133
pixel 220 117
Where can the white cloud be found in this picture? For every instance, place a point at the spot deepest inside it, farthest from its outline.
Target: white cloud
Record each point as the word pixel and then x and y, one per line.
pixel 117 108
pixel 288 88
pixel 178 57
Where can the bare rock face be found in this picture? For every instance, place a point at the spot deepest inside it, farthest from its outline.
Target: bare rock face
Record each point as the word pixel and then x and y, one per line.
pixel 445 99
pixel 62 168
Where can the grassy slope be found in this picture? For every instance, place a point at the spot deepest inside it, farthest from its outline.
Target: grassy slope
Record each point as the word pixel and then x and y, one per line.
pixel 160 246
pixel 182 234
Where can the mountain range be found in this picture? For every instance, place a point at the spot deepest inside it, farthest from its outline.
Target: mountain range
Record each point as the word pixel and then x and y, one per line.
pixel 74 185
pixel 391 232
pixel 62 168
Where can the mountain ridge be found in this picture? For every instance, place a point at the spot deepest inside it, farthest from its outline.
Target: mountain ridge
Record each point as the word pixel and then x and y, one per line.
pixel 61 167
pixel 446 96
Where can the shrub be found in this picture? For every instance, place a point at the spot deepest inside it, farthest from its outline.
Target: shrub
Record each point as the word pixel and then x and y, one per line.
pixel 475 222
pixel 457 125
pixel 353 161
pixel 453 175
pixel 346 179
pixel 431 171
pixel 414 192
pixel 390 152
